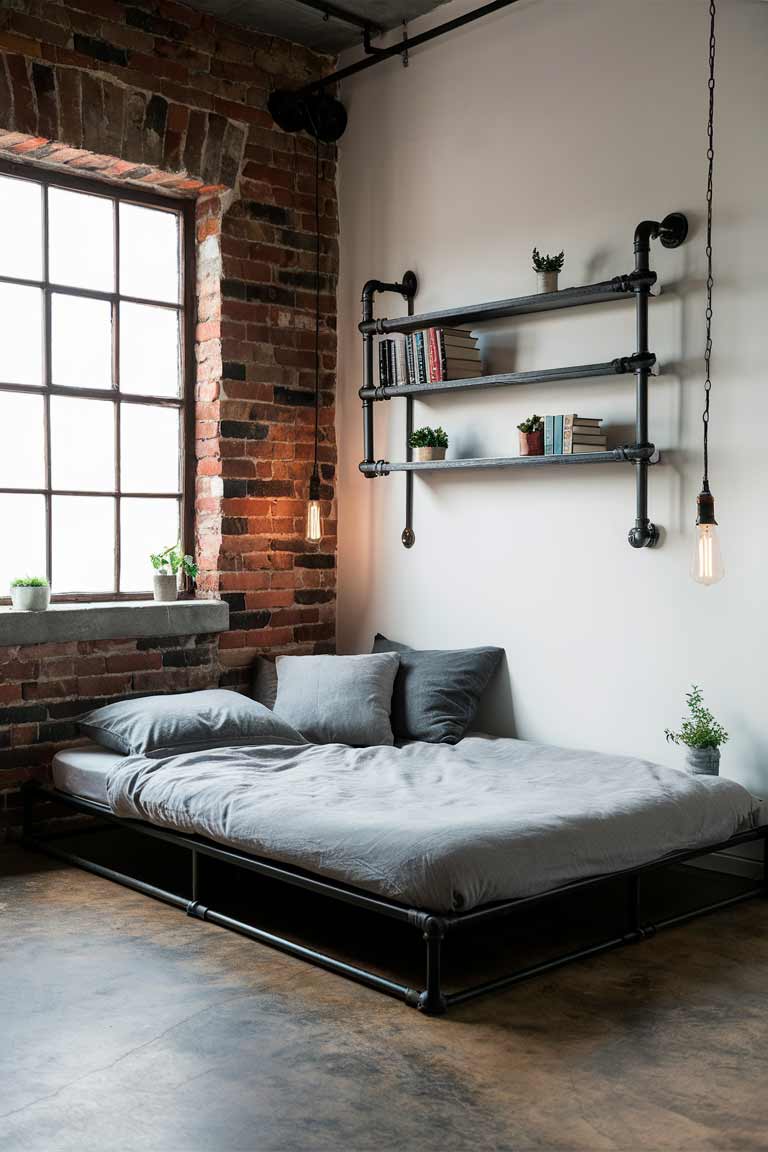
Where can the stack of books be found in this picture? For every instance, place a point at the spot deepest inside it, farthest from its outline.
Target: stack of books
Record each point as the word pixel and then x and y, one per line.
pixel 429 357
pixel 572 434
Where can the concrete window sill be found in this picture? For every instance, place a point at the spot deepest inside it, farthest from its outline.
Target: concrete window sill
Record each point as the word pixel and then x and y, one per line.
pixel 122 620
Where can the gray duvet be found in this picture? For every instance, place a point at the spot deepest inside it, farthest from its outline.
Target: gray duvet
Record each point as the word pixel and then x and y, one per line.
pixel 438 827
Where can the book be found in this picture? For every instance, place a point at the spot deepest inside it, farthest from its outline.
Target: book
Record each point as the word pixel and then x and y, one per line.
pixel 469 342
pixel 461 370
pixel 410 361
pixel 587 421
pixel 557 436
pixel 435 358
pixel 383 363
pixel 421 359
pixel 549 435
pixel 401 368
pixel 581 449
pixel 579 428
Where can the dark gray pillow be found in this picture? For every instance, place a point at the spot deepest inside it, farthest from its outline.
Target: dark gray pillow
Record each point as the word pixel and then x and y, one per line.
pixel 338 699
pixel 163 725
pixel 264 682
pixel 437 692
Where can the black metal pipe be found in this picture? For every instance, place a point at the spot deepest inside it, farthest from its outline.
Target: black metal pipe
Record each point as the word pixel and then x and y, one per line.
pixel 432 1001
pixel 407 45
pixel 346 17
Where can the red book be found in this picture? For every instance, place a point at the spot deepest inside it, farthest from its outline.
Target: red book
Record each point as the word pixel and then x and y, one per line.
pixel 435 366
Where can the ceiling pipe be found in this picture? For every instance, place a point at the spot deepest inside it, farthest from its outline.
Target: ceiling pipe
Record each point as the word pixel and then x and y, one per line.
pixel 312 110
pixel 330 11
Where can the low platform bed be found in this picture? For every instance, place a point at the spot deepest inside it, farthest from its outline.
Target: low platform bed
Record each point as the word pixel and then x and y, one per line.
pixel 435 928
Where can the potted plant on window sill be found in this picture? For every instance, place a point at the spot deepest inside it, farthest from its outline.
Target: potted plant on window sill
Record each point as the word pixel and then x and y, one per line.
pixel 532 436
pixel 428 444
pixel 30 594
pixel 548 268
pixel 702 736
pixel 168 564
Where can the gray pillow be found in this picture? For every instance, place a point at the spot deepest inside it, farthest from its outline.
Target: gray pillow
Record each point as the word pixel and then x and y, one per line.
pixel 264 682
pixel 437 692
pixel 163 725
pixel 338 699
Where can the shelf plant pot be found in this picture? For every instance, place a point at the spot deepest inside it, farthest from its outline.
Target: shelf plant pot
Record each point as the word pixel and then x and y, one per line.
pixel 166 586
pixel 532 443
pixel 423 454
pixel 30 599
pixel 547 281
pixel 703 761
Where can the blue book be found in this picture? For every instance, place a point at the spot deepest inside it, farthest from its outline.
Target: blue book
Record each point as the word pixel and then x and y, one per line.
pixel 557 435
pixel 549 429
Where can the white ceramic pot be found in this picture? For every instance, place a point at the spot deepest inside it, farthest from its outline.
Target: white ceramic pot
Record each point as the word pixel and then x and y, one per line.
pixel 34 599
pixel 547 281
pixel 166 586
pixel 703 761
pixel 423 454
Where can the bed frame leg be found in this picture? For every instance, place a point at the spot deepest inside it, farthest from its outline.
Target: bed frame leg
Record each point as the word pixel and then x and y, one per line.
pixel 27 806
pixel 432 1001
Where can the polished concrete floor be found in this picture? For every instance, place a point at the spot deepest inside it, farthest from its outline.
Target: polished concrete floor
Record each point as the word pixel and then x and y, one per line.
pixel 126 1026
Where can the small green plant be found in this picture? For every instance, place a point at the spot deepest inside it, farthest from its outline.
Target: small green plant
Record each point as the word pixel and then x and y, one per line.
pixel 29 582
pixel 532 424
pixel 548 263
pixel 172 560
pixel 428 438
pixel 700 730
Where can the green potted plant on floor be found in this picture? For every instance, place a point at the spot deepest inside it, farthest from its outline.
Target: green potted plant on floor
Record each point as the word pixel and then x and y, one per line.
pixel 701 734
pixel 548 269
pixel 168 564
pixel 532 436
pixel 428 443
pixel 30 594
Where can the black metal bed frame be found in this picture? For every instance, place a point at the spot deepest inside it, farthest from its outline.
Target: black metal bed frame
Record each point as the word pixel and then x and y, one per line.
pixel 434 928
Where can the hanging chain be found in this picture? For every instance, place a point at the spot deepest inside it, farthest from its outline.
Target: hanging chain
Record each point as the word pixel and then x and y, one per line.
pixel 710 281
pixel 317 297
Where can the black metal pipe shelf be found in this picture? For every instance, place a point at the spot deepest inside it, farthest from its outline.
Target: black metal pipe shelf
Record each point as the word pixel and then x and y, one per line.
pixel 602 293
pixel 630 454
pixel 617 367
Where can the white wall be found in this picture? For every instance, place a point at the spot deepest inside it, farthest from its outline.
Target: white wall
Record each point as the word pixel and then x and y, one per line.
pixel 562 123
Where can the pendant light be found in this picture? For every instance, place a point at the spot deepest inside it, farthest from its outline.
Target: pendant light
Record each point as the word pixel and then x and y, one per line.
pixel 314 531
pixel 707 562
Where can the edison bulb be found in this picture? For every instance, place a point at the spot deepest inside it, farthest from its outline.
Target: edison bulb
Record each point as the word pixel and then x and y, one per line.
pixel 314 521
pixel 707 560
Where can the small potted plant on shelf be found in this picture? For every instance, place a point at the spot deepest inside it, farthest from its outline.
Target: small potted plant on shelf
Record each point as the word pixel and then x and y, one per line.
pixel 701 734
pixel 532 436
pixel 428 444
pixel 30 594
pixel 168 564
pixel 548 269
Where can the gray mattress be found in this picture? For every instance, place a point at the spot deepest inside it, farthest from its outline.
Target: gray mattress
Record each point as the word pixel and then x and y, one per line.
pixel 83 770
pixel 433 826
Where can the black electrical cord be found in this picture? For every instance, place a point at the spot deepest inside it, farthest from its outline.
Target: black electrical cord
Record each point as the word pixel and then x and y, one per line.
pixel 710 279
pixel 315 472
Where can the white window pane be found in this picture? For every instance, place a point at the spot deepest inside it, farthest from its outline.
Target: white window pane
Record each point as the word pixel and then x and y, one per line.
pixel 21 209
pixel 149 253
pixel 149 350
pixel 83 542
pixel 81 342
pixel 22 538
pixel 150 458
pixel 146 526
pixel 21 334
pixel 82 444
pixel 22 460
pixel 81 240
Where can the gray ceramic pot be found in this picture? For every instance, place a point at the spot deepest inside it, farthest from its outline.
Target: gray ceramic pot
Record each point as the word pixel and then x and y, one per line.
pixel 30 599
pixel 166 586
pixel 703 761
pixel 547 281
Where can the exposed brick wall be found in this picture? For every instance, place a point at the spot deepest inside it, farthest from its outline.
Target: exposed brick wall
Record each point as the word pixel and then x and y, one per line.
pixel 156 94
pixel 45 687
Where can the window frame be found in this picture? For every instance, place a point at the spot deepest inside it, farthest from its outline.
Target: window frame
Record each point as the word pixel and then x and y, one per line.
pixel 185 404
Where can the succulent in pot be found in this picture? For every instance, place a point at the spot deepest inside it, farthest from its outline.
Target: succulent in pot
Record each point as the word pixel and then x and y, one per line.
pixel 168 564
pixel 428 443
pixel 701 734
pixel 548 268
pixel 532 436
pixel 30 594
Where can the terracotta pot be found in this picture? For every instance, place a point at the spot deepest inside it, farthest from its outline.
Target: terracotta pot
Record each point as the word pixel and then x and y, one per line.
pixel 703 761
pixel 532 443
pixel 30 599
pixel 547 281
pixel 429 454
pixel 166 586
